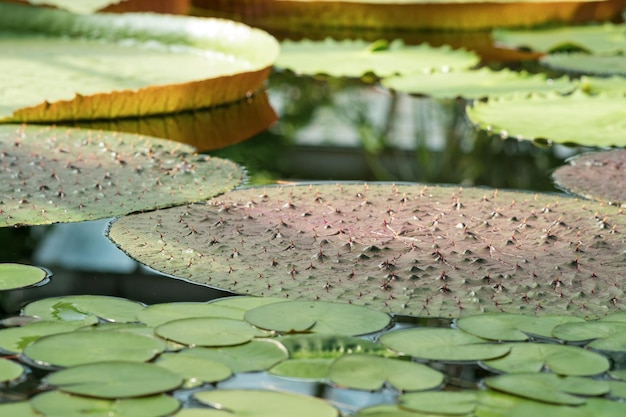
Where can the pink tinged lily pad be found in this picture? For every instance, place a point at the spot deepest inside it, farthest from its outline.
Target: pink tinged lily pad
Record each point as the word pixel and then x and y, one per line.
pixel 411 249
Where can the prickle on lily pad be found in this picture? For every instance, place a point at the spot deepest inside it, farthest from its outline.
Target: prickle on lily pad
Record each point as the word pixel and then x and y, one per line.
pixel 54 174
pixel 406 249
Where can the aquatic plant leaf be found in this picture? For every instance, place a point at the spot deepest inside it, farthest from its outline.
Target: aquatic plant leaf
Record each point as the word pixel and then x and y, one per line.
pixel 18 409
pixel 560 359
pixel 388 410
pixel 66 175
pixel 195 370
pixel 166 64
pixel 13 276
pixel 599 407
pixel 439 402
pixel 92 347
pixel 60 404
pixel 512 327
pixel 358 58
pixel 369 372
pixel 591 120
pixel 588 330
pixel 617 389
pixel 547 387
pixel 256 355
pixel 442 345
pixel 615 343
pixel 475 84
pixel 206 331
pixel 157 314
pixel 83 307
pixel 15 339
pixel 259 403
pixel 115 379
pixel 409 249
pixel 411 15
pixel 84 6
pixel 498 404
pixel 318 317
pixel 201 412
pixel 9 370
pixel 595 175
pixel 245 302
pixel 325 346
pixel 580 63
pixel 598 39
pixel 312 369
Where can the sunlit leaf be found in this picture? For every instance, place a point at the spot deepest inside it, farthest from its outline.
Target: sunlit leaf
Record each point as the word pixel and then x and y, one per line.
pixel 580 63
pixel 82 307
pixel 195 370
pixel 188 63
pixel 310 369
pixel 18 409
pixel 206 331
pixel 158 314
pixel 588 330
pixel 9 370
pixel 13 276
pixel 443 402
pixel 512 327
pixel 388 410
pixel 329 346
pixel 15 339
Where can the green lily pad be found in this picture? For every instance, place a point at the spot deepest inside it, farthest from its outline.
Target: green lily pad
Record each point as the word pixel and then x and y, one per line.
pixel 617 389
pixel 195 370
pixel 614 343
pixel 18 409
pixel 158 314
pixel 586 64
pixel 84 6
pixel 498 404
pixel 257 355
pixel 256 403
pixel 15 339
pixel 245 303
pixel 560 359
pixel 591 120
pixel 387 410
pixel 318 317
pixel 441 402
pixel 71 175
pixel 206 331
pixel 589 330
pixel 512 327
pixel 9 370
pixel 166 64
pixel 201 412
pixel 599 39
pixel 547 387
pixel 324 346
pixel 315 369
pixel 13 276
pixel 84 307
pixel 78 348
pixel 368 372
pixel 599 407
pixel 119 379
pixel 60 404
pixel 358 58
pixel 475 84
pixel 442 345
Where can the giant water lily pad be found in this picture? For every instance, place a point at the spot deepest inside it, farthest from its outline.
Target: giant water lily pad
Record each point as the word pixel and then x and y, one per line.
pixel 257 403
pixel 120 379
pixel 580 63
pixel 578 118
pixel 13 276
pixel 165 64
pixel 597 175
pixel 65 175
pixel 410 249
pixel 475 84
pixel 357 58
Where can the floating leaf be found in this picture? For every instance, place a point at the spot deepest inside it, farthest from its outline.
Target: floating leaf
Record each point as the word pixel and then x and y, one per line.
pixel 318 317
pixel 70 175
pixel 387 410
pixel 615 343
pixel 311 369
pixel 442 345
pixel 368 372
pixel 265 403
pixel 206 331
pixel 598 407
pixel 257 355
pixel 91 6
pixel 92 347
pixel 443 402
pixel 358 58
pixel 166 64
pixel 595 175
pixel 59 404
pixel 512 327
pixel 560 359
pixel 497 404
pixel 201 412
pixel 588 330
pixel 584 120
pixel 599 39
pixel 317 346
pixel 548 388
pixel 9 370
pixel 13 276
pixel 18 409
pixel 195 370
pixel 83 307
pixel 475 84
pixel 158 314
pixel 119 379
pixel 411 249
pixel 15 339
pixel 580 63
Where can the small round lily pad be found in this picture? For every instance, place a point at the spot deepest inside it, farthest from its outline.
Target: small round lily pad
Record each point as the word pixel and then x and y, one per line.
pixel 439 402
pixel 13 276
pixel 9 370
pixel 318 317
pixel 194 369
pixel 588 330
pixel 157 314
pixel 84 307
pixel 512 327
pixel 15 339
pixel 206 331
